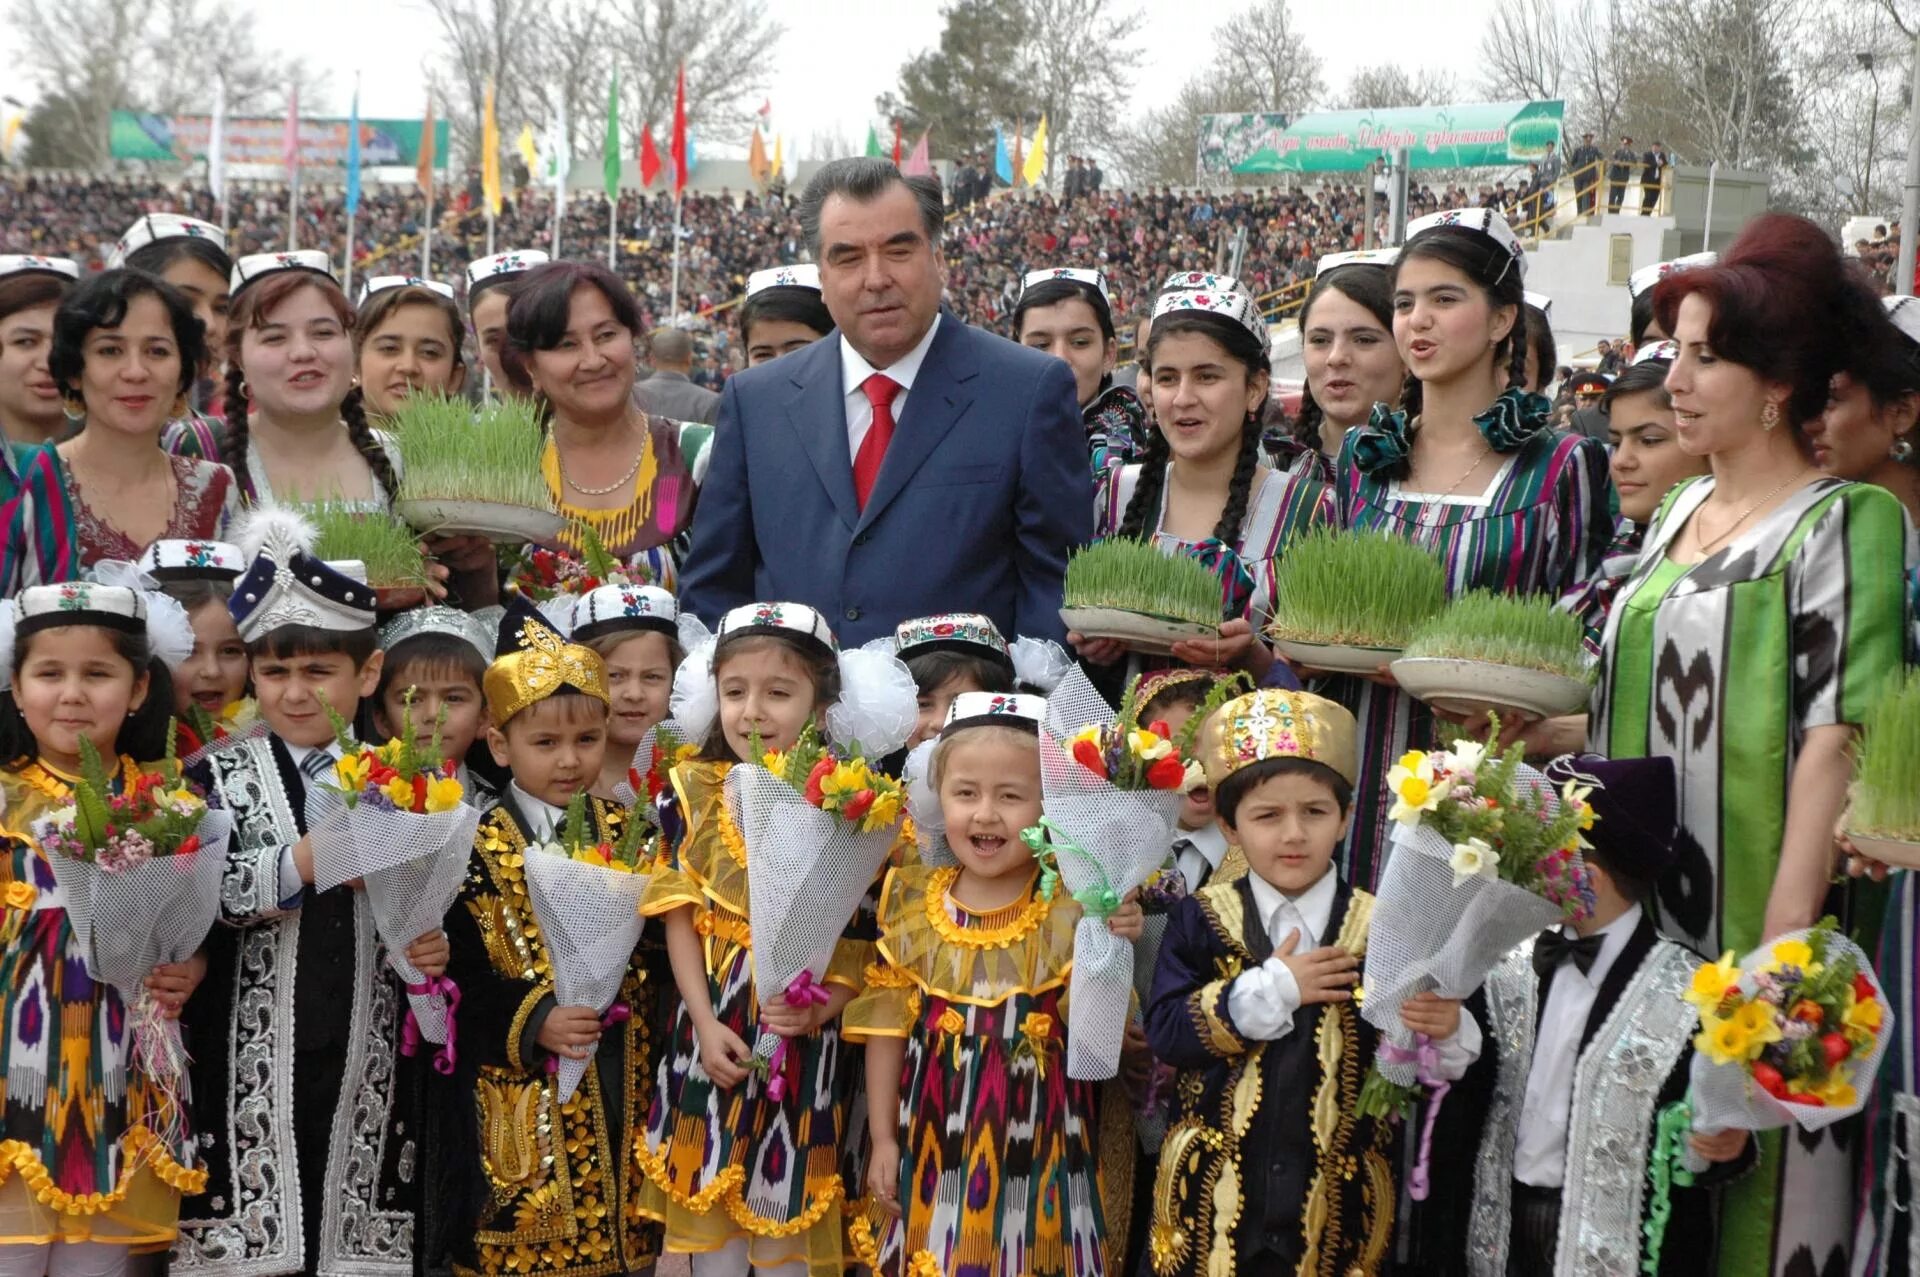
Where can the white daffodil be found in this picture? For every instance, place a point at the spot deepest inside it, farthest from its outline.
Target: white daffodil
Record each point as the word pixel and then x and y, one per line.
pixel 1414 792
pixel 1474 858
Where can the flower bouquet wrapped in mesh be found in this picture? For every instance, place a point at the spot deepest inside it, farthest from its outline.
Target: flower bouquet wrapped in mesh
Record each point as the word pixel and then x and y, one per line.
pixel 818 822
pixel 140 874
pixel 1112 790
pixel 1485 855
pixel 586 896
pixel 397 818
pixel 1792 1033
pixel 203 733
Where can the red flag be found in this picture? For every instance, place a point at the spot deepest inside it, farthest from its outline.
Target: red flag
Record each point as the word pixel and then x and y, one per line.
pixel 290 143
pixel 680 132
pixel 920 162
pixel 649 157
pixel 896 144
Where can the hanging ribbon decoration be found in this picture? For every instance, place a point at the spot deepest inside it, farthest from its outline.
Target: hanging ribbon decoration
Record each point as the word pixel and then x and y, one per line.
pixel 1664 1171
pixel 1425 1056
pixel 1047 841
pixel 804 991
pixel 618 1013
pixel 443 1058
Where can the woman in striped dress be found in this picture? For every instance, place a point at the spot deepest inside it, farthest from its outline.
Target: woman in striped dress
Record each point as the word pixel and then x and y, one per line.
pixel 1199 488
pixel 1470 469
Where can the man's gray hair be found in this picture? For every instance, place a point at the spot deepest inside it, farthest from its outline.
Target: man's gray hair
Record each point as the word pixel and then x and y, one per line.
pixel 862 179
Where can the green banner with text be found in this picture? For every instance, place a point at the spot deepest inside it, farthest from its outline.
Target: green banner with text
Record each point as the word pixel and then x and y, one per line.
pixel 1473 135
pixel 183 139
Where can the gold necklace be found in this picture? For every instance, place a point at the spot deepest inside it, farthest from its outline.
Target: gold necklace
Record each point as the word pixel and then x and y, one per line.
pixel 646 446
pixel 1485 452
pixel 1707 546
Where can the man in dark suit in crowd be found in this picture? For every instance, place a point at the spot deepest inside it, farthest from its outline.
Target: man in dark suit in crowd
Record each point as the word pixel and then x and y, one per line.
pixel 1091 183
pixel 1653 174
pixel 903 465
pixel 670 392
pixel 1585 162
pixel 1619 173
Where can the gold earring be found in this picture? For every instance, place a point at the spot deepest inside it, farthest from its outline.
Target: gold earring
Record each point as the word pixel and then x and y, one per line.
pixel 1770 415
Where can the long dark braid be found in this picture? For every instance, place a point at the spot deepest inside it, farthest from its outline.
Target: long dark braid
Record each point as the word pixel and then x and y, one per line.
pixel 1146 492
pixel 1240 487
pixel 1517 350
pixel 1306 426
pixel 353 411
pixel 238 410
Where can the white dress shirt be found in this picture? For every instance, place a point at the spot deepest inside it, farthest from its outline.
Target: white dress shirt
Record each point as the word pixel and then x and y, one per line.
pixel 544 820
pixel 1207 847
pixel 291 883
pixel 1540 1149
pixel 854 371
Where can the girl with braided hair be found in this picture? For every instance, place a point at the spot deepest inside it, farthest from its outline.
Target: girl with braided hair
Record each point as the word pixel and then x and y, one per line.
pixel 1199 487
pixel 1346 346
pixel 1469 468
pixel 290 388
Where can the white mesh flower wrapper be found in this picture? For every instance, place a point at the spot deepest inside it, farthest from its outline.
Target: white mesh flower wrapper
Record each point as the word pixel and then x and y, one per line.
pixel 1429 934
pixel 151 914
pixel 1126 833
pixel 1726 1098
pixel 806 872
pixel 589 916
pixel 408 901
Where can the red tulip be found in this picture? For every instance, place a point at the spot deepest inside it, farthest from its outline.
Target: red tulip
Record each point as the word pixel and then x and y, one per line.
pixel 1166 773
pixel 191 845
pixel 1159 728
pixel 1837 1048
pixel 1801 1097
pixel 1768 1079
pixel 1087 754
pixel 419 792
pixel 1862 987
pixel 821 770
pixel 857 805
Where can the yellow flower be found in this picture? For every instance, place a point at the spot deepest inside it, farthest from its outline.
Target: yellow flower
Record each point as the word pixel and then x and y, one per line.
pixel 885 809
pixel 1148 745
pixel 351 772
pixel 1837 1091
pixel 1860 1021
pixel 1758 1023
pixel 1038 1027
pixel 1792 953
pixel 1413 789
pixel 1711 980
pixel 1413 760
pixel 1722 1041
pixel 843 782
pixel 21 895
pixel 775 761
pixel 242 713
pixel 951 1021
pixel 399 792
pixel 391 752
pixel 443 794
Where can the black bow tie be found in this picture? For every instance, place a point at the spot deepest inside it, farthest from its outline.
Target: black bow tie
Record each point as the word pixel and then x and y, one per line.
pixel 1554 948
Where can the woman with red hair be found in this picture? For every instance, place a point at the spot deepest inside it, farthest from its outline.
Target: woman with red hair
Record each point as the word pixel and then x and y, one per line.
pixel 1765 613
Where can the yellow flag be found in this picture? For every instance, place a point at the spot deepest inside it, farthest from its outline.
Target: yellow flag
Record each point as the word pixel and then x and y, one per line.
pixel 489 154
pixel 11 134
pixel 1037 155
pixel 757 158
pixel 527 151
pixel 779 165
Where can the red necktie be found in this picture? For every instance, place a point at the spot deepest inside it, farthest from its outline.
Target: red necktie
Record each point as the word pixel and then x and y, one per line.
pixel 880 390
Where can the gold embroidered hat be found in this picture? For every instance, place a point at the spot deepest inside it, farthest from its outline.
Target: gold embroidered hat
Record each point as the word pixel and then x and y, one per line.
pixel 1272 723
pixel 532 662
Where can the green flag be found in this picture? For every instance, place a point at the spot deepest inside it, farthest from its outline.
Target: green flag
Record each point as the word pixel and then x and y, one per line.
pixel 873 143
pixel 611 163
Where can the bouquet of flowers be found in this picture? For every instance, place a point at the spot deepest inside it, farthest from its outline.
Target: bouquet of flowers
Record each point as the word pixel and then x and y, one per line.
pixel 586 896
pixel 1111 788
pixel 818 822
pixel 205 733
pixel 140 873
pixel 1485 854
pixel 396 817
pixel 1792 1033
pixel 544 575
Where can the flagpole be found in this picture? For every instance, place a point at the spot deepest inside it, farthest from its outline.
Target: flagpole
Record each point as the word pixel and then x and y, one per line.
pixel 426 240
pixel 613 229
pixel 673 302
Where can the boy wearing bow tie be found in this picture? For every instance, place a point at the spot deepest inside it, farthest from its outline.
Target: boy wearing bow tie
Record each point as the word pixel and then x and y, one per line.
pixel 1593 1041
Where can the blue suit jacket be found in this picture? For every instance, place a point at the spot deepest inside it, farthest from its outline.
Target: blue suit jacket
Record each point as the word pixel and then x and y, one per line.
pixel 983 492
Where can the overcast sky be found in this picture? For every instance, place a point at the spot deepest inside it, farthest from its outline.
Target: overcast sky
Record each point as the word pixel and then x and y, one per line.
pixel 817 87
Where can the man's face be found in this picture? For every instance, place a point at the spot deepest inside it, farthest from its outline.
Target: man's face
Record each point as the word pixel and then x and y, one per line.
pixel 879 273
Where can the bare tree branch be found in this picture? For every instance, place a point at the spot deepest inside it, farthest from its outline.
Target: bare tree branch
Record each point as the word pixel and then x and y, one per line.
pixel 1261 48
pixel 1524 50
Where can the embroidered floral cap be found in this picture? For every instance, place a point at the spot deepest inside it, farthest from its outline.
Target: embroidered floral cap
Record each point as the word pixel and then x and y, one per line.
pixel 159 226
pixel 500 266
pixel 805 275
pixel 1382 257
pixel 1272 723
pixel 968 632
pixel 1229 303
pixel 115 607
pixel 30 264
pixel 286 585
pixel 1539 301
pixel 381 283
pixel 193 561
pixel 260 265
pixel 795 620
pixel 437 620
pixel 1905 314
pixel 1069 274
pixel 994 709
pixel 1483 222
pixel 1646 277
pixel 611 608
pixel 1667 351
pixel 534 662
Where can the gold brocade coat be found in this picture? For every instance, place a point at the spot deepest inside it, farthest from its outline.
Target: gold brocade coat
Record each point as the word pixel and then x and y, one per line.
pixel 552 1186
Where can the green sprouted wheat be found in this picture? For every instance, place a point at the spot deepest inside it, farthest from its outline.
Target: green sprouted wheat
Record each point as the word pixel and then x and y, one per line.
pixel 1524 631
pixel 1886 796
pixel 1134 576
pixel 1357 589
pixel 450 452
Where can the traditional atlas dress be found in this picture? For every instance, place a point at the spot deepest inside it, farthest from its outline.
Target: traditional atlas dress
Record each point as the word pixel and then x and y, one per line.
pixel 1888 1241
pixel 1116 423
pixel 78 1160
pixel 1265 1154
pixel 37 543
pixel 1723 666
pixel 197 434
pixel 641 533
pixel 726 1164
pixel 309 1121
pixel 547 1186
pixel 1540 527
pixel 1280 507
pixel 998 1171
pixel 1593 599
pixel 206 501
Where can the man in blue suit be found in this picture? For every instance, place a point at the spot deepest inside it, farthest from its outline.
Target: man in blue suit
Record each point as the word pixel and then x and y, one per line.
pixel 904 465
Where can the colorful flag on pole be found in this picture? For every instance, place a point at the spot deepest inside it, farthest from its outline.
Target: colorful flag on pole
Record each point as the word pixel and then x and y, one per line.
pixel 353 154
pixel 528 151
pixel 757 159
pixel 561 152
pixel 490 154
pixel 873 143
pixel 290 144
pixel 896 144
pixel 766 110
pixel 1002 162
pixel 682 159
pixel 779 164
pixel 1036 167
pixel 649 157
pixel 919 163
pixel 216 140
pixel 1019 162
pixel 610 154
pixel 11 134
pixel 424 174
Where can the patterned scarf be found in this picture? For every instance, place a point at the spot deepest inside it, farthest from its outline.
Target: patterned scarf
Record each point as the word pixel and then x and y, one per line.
pixel 1386 440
